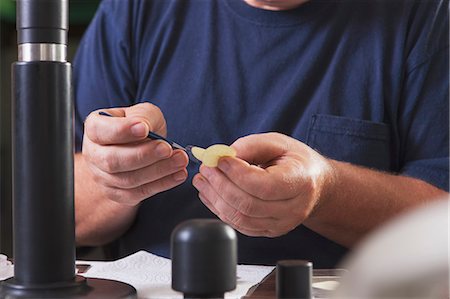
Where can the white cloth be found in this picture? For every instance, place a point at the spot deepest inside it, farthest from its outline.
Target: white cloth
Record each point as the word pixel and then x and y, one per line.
pixel 6 268
pixel 151 275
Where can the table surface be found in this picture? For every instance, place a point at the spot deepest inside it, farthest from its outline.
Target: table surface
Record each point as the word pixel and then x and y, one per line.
pixel 266 289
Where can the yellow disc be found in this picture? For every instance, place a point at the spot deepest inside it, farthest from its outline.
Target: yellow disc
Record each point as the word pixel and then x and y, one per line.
pixel 197 152
pixel 212 154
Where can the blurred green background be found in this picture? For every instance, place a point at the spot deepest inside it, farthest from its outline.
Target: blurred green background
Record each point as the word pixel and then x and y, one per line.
pixel 80 15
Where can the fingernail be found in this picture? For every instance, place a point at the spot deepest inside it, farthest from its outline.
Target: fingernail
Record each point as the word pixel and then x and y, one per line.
pixel 139 130
pixel 179 176
pixel 224 165
pixel 178 160
pixel 163 150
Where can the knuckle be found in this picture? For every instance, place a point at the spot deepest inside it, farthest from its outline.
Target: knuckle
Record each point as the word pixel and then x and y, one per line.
pixel 221 216
pixel 91 128
pixel 240 141
pixel 219 185
pixel 97 177
pixel 247 207
pixel 87 152
pixel 214 200
pixel 125 180
pixel 140 155
pixel 235 217
pixel 114 194
pixel 240 229
pixel 277 229
pixel 160 170
pixel 146 191
pixel 105 162
pixel 108 161
pixel 150 189
pixel 147 105
pixel 272 234
pixel 96 174
pixel 122 196
pixel 266 191
pixel 156 113
pixel 153 108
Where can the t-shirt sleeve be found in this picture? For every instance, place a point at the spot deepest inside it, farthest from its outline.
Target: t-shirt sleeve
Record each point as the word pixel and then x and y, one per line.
pixel 424 113
pixel 102 68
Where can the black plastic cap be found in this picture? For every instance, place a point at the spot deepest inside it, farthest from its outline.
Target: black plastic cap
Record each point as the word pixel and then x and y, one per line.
pixel 294 278
pixel 42 21
pixel 204 258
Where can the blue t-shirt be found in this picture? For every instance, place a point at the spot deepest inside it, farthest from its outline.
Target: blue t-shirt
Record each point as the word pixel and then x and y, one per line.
pixel 360 81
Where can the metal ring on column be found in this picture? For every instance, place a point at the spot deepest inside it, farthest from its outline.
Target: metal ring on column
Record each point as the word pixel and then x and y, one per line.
pixel 42 52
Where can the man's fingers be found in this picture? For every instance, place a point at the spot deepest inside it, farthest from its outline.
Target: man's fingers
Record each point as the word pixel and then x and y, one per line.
pixel 142 176
pixel 106 130
pixel 243 223
pixel 134 196
pixel 149 114
pixel 246 203
pixel 126 125
pixel 279 182
pixel 260 149
pixel 126 157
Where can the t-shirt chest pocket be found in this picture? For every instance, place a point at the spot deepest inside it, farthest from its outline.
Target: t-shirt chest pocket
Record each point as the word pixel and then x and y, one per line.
pixel 352 140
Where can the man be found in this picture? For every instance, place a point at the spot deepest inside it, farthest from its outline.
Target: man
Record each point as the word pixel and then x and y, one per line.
pixel 357 91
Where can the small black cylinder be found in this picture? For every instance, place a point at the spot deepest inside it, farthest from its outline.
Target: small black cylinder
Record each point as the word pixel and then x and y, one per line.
pixel 204 258
pixel 42 21
pixel 43 190
pixel 293 279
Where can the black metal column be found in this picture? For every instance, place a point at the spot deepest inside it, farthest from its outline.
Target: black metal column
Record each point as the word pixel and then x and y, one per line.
pixel 43 188
pixel 43 170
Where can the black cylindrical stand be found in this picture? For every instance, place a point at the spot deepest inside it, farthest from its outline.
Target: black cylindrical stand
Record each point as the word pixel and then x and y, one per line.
pixel 43 171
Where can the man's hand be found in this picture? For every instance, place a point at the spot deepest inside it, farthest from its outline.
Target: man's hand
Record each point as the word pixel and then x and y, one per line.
pixel 127 166
pixel 272 193
pixel 285 183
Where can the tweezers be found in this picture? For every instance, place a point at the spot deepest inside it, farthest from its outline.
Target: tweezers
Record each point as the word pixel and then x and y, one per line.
pixel 174 145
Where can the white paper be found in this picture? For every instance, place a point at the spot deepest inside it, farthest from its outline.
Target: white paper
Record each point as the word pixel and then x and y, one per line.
pixel 328 285
pixel 6 268
pixel 151 275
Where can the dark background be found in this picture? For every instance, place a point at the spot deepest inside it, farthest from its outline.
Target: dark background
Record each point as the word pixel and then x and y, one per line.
pixel 80 14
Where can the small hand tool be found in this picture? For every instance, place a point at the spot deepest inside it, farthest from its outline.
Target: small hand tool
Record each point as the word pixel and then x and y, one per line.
pixel 174 145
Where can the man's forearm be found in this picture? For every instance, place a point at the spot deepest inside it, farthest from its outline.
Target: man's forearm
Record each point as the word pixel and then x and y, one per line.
pixel 98 220
pixel 361 199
